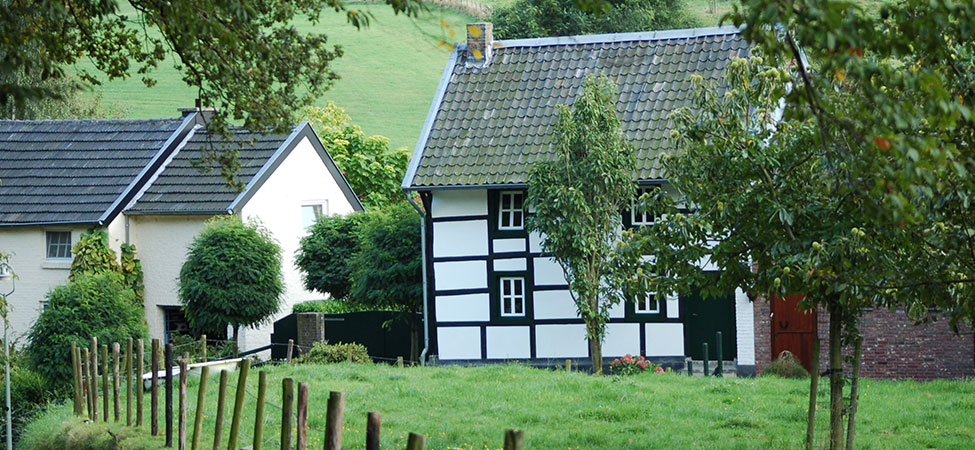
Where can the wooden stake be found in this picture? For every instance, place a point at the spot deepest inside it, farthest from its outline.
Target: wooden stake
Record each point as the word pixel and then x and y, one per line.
pixel 140 357
pixel 86 382
pixel 93 377
pixel 181 436
pixel 291 347
pixel 201 398
pixel 416 442
pixel 854 392
pixel 333 421
pixel 116 386
pixel 514 440
pixel 221 402
pixel 301 436
pixel 568 365
pixel 259 411
pixel 128 383
pixel 813 390
pixel 373 425
pixel 203 344
pixel 76 372
pixel 245 366
pixel 105 397
pixel 399 362
pixel 154 390
pixel 169 394
pixel 287 410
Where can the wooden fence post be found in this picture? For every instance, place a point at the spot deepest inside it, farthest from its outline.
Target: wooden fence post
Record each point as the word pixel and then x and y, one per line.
pixel 128 383
pixel 416 441
pixel 373 424
pixel 287 410
pixel 568 365
pixel 201 397
pixel 333 421
pixel 514 440
pixel 399 362
pixel 115 382
pixel 76 372
pixel 221 401
pixel 301 435
pixel 291 348
pixel 93 377
pixel 139 356
pixel 86 381
pixel 105 396
pixel 169 394
pixel 183 373
pixel 259 411
pixel 203 343
pixel 245 366
pixel 154 390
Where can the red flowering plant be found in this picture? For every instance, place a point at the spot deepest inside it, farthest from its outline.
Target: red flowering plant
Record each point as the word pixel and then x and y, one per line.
pixel 628 365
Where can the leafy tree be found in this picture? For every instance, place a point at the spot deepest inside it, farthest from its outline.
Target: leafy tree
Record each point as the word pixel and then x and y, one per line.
pixel 232 276
pixel 326 253
pixel 67 100
pixel 539 18
pixel 91 305
pixel 244 57
pixel 371 167
pixel 578 197
pixel 387 270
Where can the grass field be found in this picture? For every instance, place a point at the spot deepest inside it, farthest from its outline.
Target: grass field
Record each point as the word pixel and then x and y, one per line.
pixel 389 73
pixel 469 408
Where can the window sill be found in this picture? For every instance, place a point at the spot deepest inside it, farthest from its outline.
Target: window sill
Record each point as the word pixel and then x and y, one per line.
pixel 56 265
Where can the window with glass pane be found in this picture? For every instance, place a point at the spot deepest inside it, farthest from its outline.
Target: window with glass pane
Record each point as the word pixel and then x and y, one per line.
pixel 512 211
pixel 310 213
pixel 638 215
pixel 512 297
pixel 648 304
pixel 59 244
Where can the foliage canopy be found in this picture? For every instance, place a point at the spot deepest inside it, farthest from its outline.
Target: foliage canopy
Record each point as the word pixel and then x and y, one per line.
pixel 540 18
pixel 232 276
pixel 326 254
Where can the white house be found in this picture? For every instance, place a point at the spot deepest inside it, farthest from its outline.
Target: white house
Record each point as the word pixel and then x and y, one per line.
pixel 491 293
pixel 136 180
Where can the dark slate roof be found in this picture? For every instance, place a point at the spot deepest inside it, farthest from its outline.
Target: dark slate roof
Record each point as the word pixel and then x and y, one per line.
pixel 487 125
pixel 182 188
pixel 74 171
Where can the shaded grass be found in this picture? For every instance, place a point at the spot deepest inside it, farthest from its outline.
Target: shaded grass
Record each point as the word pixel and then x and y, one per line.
pixel 470 408
pixel 389 72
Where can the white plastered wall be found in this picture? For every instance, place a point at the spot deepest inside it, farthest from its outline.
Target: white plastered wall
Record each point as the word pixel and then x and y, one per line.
pixel 301 178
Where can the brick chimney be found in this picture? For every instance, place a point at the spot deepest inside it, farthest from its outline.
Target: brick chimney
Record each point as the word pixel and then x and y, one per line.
pixel 205 111
pixel 480 42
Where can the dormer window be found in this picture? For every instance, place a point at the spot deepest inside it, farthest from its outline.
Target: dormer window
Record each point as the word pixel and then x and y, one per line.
pixel 511 212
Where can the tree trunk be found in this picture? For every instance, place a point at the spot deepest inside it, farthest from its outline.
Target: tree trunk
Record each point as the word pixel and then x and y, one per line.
pixel 596 348
pixel 835 376
pixel 236 340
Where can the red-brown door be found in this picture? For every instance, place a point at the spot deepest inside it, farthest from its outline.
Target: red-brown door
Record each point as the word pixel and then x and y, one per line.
pixel 793 329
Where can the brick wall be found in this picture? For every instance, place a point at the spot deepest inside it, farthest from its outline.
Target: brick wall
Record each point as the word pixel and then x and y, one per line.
pixel 893 347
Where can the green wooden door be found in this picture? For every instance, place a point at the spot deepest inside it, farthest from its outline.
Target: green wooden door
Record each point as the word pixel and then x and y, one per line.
pixel 703 318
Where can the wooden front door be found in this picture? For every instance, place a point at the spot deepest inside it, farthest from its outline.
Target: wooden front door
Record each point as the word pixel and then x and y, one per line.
pixel 792 329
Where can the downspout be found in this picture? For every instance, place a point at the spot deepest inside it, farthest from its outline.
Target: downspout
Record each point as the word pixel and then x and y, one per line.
pixel 423 249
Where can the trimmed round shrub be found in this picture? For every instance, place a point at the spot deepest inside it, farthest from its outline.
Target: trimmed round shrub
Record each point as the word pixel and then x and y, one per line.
pixel 93 305
pixel 232 276
pixel 786 366
pixel 325 353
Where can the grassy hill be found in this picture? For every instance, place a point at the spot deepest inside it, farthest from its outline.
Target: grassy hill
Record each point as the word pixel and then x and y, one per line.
pixel 389 73
pixel 469 408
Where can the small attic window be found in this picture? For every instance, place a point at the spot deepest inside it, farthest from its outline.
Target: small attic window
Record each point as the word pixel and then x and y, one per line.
pixel 311 211
pixel 58 245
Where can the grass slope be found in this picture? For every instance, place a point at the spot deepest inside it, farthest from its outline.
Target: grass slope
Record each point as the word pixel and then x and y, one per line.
pixel 389 72
pixel 469 408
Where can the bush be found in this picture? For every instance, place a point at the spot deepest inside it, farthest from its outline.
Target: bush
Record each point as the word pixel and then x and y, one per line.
pixel 326 253
pixel 28 395
pixel 785 366
pixel 93 305
pixel 628 365
pixel 540 18
pixel 325 353
pixel 232 275
pixel 337 307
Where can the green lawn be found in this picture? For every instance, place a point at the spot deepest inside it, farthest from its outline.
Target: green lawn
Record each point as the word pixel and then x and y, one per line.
pixel 389 72
pixel 469 408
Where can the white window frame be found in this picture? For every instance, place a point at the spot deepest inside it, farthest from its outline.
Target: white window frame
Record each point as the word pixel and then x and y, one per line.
pixel 511 211
pixel 323 204
pixel 650 304
pixel 47 246
pixel 645 217
pixel 509 300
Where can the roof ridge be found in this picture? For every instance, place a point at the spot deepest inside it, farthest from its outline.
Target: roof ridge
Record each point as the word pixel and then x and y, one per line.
pixel 93 120
pixel 656 35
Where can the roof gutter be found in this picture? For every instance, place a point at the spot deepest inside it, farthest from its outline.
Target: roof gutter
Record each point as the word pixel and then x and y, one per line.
pixel 38 224
pixel 423 250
